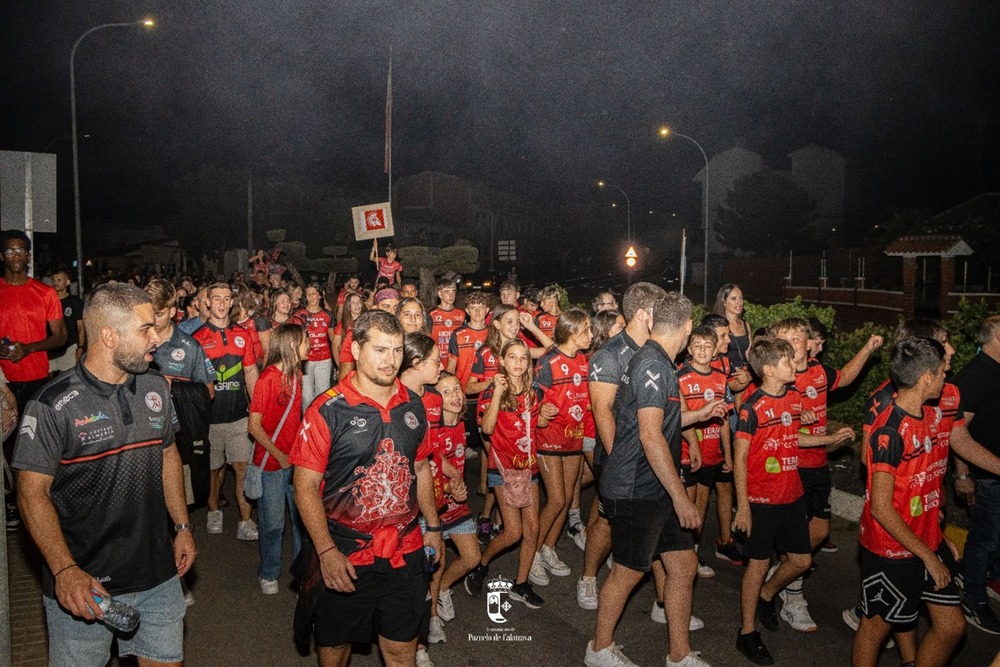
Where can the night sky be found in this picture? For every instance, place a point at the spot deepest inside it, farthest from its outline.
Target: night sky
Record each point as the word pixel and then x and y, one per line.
pixel 537 97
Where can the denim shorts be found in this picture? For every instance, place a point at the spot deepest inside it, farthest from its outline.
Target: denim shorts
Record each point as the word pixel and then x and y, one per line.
pixel 160 636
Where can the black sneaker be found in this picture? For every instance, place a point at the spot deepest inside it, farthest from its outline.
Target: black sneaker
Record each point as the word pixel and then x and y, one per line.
pixel 13 518
pixel 981 616
pixel 767 615
pixel 483 525
pixel 474 580
pixel 753 648
pixel 526 594
pixel 729 551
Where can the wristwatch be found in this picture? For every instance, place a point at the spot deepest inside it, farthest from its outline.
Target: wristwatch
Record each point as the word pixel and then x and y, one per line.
pixel 179 527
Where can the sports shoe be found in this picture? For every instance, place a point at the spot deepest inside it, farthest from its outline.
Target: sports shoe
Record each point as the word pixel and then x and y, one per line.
pixel 692 659
pixel 483 525
pixel 188 595
pixel 246 530
pixel 423 660
pixel 829 547
pixel 729 551
pixel 695 623
pixel 214 522
pixel 658 614
pixel 525 594
pixel 767 615
pixel 435 632
pixel 795 612
pixel 753 648
pixel 993 588
pixel 474 580
pixel 852 618
pixel 704 571
pixel 537 574
pixel 551 562
pixel 446 608
pixel 609 656
pixel 580 538
pixel 981 616
pixel 268 586
pixel 13 517
pixel 586 593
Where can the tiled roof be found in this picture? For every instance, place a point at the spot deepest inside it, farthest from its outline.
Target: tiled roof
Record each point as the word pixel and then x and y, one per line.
pixel 936 245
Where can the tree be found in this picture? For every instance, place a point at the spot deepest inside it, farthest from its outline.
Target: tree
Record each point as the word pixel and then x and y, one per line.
pixel 766 212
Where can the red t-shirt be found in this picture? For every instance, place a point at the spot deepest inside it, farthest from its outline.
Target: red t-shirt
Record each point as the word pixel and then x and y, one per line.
pixel 513 441
pixel 449 445
pixel 317 326
pixel 699 389
pixel 387 269
pixel 346 356
pixel 484 366
pixel 443 324
pixel 432 406
pixel 270 398
pixel 547 323
pixel 771 424
pixel 462 347
pixel 24 312
pixel 564 384
pixel 909 448
pixel 814 384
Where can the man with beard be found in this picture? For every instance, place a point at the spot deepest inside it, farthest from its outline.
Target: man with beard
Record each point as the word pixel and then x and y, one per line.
pixel 361 477
pixel 102 436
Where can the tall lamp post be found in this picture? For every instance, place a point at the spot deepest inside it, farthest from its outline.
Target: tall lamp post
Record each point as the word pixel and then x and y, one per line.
pixel 666 132
pixel 77 227
pixel 628 207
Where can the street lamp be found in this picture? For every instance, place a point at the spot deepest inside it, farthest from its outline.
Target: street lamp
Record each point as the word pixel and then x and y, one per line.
pixel 145 23
pixel 628 206
pixel 666 132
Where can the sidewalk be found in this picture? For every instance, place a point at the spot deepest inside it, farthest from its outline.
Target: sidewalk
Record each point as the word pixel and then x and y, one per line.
pixel 28 635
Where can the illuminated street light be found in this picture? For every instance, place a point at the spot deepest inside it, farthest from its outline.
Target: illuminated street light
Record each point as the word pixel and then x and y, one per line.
pixel 666 133
pixel 78 227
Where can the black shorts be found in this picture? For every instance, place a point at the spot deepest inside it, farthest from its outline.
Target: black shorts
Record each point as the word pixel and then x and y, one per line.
pixel 388 602
pixel 816 487
pixel 893 588
pixel 711 475
pixel 784 528
pixel 687 476
pixel 644 529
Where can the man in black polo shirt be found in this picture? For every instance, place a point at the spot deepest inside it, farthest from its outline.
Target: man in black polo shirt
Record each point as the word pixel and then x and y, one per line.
pixel 361 475
pixel 102 436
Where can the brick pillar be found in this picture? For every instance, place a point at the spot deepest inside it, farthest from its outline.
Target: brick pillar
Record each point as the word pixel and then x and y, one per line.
pixel 947 285
pixel 859 285
pixel 909 286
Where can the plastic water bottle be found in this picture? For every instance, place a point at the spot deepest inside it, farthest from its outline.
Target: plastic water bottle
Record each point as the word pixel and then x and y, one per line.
pixel 429 551
pixel 117 614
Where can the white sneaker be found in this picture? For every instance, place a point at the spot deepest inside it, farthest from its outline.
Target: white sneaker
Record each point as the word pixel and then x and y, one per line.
pixel 580 539
pixel 214 522
pixel 446 608
pixel 692 659
pixel 537 574
pixel 586 593
pixel 704 571
pixel 423 660
pixel 695 624
pixel 551 562
pixel 795 612
pixel 246 530
pixel 658 613
pixel 269 586
pixel 435 634
pixel 610 656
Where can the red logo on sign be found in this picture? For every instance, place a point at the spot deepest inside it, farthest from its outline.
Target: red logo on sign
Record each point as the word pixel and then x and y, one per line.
pixel 374 220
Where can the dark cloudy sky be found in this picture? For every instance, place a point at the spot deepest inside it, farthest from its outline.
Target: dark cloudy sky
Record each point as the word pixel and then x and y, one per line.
pixel 542 95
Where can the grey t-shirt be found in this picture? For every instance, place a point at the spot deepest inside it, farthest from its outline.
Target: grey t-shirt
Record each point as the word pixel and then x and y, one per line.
pixel 607 365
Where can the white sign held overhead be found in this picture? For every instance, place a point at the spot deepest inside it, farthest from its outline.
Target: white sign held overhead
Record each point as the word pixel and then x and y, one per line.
pixel 373 221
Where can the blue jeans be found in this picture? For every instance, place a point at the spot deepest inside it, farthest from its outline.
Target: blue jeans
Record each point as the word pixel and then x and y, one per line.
pixel 983 542
pixel 277 495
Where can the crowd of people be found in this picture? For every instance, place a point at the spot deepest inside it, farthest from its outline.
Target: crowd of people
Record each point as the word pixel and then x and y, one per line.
pixel 358 418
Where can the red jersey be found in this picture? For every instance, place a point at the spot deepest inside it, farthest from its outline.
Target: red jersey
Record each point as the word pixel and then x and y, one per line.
pixel 771 424
pixel 947 409
pixel 270 398
pixel 462 347
pixel 564 384
pixel 253 327
pixel 443 324
pixel 387 269
pixel 230 350
pixel 449 445
pixel 547 323
pixel 513 439
pixel 24 313
pixel 317 326
pixel 699 389
pixel 432 406
pixel 814 383
pixel 484 366
pixel 345 356
pixel 908 448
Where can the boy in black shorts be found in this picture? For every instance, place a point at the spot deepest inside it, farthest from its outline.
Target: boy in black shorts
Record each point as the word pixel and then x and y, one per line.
pixel 771 511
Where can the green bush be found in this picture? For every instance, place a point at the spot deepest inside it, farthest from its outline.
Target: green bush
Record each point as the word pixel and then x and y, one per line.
pixel 758 316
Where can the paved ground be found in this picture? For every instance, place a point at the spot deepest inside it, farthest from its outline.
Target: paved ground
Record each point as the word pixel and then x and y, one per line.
pixel 233 624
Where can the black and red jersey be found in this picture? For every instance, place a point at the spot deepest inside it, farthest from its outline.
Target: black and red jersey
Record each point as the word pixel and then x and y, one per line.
pixel 462 347
pixel 448 444
pixel 947 409
pixel 317 326
pixel 514 437
pixel 443 324
pixel 564 384
pixel 366 453
pixel 698 390
pixel 432 406
pixel 771 424
pixel 485 365
pixel 230 350
pixel 814 384
pixel 547 323
pixel 908 448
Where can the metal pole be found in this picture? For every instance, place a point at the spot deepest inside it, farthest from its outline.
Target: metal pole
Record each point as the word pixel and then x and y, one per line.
pixel 708 229
pixel 77 226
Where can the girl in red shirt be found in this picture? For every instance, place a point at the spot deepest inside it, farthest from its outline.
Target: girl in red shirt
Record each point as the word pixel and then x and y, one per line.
pixel 354 305
pixel 279 384
pixel 318 323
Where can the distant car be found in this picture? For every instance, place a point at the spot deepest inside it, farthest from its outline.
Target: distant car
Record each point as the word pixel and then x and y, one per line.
pixel 481 281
